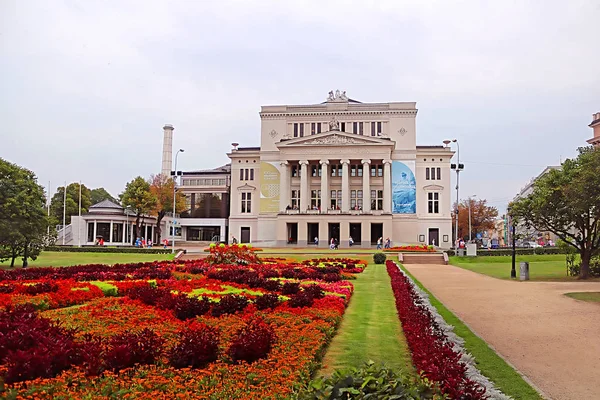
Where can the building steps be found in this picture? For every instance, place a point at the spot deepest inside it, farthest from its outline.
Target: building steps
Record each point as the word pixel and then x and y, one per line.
pixel 423 258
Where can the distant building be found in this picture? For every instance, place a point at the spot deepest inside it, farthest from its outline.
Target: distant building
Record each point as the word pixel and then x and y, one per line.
pixel 595 125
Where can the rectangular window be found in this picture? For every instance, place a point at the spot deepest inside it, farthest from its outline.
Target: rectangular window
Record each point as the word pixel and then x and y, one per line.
pixel 379 131
pixel 336 199
pixel 246 174
pixel 359 170
pixel 295 130
pixel 313 128
pixel 339 170
pixel 252 174
pixel 295 199
pixel 320 169
pixel 90 233
pixel 427 173
pixel 343 126
pixel 318 127
pixel 355 127
pixel 439 173
pixel 353 170
pixel 373 170
pixel 241 174
pixel 313 169
pixel 295 171
pixel 360 128
pixel 433 204
pixel 380 170
pixel 373 129
pixel 377 199
pixel 117 235
pixel 315 199
pixel 333 170
pixel 301 129
pixel 246 202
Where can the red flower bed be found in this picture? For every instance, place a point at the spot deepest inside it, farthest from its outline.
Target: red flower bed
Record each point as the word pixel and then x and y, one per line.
pixel 432 354
pixel 417 248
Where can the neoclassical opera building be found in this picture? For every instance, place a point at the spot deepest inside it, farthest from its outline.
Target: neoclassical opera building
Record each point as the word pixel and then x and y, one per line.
pixel 340 169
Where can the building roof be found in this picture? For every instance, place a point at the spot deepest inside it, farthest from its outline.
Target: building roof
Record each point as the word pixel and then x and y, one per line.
pixel 223 169
pixel 532 181
pixel 431 147
pixel 257 148
pixel 596 120
pixel 107 204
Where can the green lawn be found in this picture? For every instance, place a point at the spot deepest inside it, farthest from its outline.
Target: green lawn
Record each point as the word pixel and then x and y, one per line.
pixel 65 259
pixel 489 363
pixel 550 267
pixel 593 297
pixel 370 329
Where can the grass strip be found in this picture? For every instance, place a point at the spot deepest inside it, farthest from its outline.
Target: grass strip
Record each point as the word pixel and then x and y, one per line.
pixel 371 329
pixel 509 381
pixel 593 297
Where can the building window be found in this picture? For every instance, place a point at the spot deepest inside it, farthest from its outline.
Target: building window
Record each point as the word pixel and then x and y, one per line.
pixel 301 129
pixel 319 127
pixel 359 170
pixel 241 174
pixel 295 199
pixel 379 170
pixel 336 170
pixel 90 233
pixel 439 173
pixel 295 129
pixel 313 128
pixel 353 170
pixel 336 199
pixel 360 128
pixel 376 199
pixel 433 173
pixel 356 200
pixel 251 174
pixel 246 202
pixel 295 171
pixel 246 172
pixel 373 129
pixel 314 170
pixel 433 203
pixel 427 173
pixel 315 199
pixel 355 127
pixel 379 130
pixel 373 170
pixel 343 126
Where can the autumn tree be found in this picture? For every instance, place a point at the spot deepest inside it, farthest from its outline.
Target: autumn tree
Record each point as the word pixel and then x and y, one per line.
pixel 566 202
pixel 162 188
pixel 483 217
pixel 140 199
pixel 56 204
pixel 100 194
pixel 23 219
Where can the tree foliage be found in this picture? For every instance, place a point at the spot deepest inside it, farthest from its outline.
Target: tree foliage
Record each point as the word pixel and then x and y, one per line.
pixel 566 202
pixel 56 204
pixel 99 194
pixel 23 218
pixel 140 198
pixel 162 188
pixel 483 217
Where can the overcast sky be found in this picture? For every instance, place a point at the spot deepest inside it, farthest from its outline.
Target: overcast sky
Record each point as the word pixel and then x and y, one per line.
pixel 86 86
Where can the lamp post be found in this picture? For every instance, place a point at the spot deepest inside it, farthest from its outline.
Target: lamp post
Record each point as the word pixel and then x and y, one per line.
pixel 174 190
pixel 127 230
pixel 470 236
pixel 513 270
pixel 458 167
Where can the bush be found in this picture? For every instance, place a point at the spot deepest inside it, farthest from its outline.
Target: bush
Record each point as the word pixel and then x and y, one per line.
pixel 267 301
pixel 149 295
pixel 369 382
pixel 301 299
pixel 127 349
pixel 229 304
pixel 379 258
pixel 198 345
pixel 252 342
pixel 186 307
pixel 290 288
pixel 41 287
pixel 315 291
pixel 272 285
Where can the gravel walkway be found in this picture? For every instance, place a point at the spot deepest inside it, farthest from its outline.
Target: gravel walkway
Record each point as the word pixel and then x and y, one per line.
pixel 550 338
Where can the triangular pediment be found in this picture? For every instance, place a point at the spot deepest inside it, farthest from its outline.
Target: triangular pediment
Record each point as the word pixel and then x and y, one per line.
pixel 246 187
pixel 335 138
pixel 433 187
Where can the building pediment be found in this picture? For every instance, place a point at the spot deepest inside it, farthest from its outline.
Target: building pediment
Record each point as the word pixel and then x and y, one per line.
pixel 335 138
pixel 433 187
pixel 246 188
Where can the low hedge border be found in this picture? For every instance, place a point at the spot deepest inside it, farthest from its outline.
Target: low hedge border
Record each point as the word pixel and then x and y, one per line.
pixel 97 249
pixel 519 251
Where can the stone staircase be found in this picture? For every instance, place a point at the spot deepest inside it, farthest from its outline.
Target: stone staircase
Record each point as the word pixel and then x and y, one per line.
pixel 423 258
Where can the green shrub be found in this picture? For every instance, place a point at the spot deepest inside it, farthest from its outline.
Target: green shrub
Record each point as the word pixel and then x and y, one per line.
pixel 369 382
pixel 98 249
pixel 108 289
pixel 507 251
pixel 379 258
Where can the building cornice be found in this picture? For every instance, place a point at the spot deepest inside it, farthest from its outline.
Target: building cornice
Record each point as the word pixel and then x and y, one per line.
pixel 337 113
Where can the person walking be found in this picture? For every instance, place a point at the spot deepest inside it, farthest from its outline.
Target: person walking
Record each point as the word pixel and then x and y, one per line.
pixel 379 243
pixel 350 241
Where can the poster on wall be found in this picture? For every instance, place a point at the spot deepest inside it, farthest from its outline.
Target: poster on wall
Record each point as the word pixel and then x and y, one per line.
pixel 404 187
pixel 269 187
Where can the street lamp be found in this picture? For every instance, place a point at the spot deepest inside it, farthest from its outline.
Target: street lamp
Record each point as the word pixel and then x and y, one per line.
pixel 458 167
pixel 127 229
pixel 513 270
pixel 174 189
pixel 470 236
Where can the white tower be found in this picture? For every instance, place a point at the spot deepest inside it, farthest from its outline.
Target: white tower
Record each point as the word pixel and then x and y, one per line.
pixel 167 156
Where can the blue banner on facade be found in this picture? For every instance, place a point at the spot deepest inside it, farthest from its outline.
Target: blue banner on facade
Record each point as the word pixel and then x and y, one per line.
pixel 404 187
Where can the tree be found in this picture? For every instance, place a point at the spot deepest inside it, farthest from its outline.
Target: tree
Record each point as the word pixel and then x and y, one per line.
pixel 483 217
pixel 23 219
pixel 56 204
pixel 99 194
pixel 138 196
pixel 162 188
pixel 566 202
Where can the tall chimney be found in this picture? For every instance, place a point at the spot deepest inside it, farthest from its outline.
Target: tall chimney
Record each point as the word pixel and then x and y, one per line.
pixel 167 156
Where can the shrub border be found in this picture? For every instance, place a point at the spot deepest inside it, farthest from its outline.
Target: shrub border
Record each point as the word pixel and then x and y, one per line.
pixel 519 252
pixel 97 249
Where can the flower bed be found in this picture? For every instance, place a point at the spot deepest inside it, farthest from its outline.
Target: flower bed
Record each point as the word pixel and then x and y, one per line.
pixel 189 329
pixel 436 351
pixel 417 248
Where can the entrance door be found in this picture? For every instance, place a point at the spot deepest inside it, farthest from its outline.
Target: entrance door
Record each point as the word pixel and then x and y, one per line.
pixel 292 233
pixel 434 236
pixel 355 233
pixel 334 232
pixel 376 232
pixel 313 232
pixel 245 235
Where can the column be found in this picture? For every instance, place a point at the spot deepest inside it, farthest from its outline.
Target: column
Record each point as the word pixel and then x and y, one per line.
pixel 324 233
pixel 110 235
pixel 95 231
pixel 345 186
pixel 324 185
pixel 304 200
pixel 344 232
pixel 124 232
pixel 387 186
pixel 284 186
pixel 366 187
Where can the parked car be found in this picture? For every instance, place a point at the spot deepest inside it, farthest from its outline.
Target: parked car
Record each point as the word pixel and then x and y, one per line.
pixel 531 245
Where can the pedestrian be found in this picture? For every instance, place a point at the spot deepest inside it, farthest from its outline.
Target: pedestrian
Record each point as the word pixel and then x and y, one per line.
pixel 332 244
pixel 165 243
pixel 350 241
pixel 388 243
pixel 149 243
pixel 316 241
pixel 379 243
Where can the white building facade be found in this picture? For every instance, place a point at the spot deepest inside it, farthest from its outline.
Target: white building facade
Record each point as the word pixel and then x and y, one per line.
pixel 340 169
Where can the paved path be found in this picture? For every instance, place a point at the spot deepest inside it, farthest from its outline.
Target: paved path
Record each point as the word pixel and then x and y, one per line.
pixel 552 339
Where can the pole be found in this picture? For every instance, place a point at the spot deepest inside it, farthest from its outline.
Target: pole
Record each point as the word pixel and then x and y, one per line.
pixel 457 181
pixel 470 236
pixel 78 228
pixel 513 271
pixel 48 206
pixel 64 212
pixel 174 189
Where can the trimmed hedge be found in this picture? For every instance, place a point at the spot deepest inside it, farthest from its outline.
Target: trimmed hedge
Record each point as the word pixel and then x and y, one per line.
pixel 519 251
pixel 97 249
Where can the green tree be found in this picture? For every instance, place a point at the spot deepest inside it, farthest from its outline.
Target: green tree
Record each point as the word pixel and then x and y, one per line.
pixel 99 194
pixel 56 204
pixel 162 188
pixel 23 219
pixel 139 197
pixel 566 202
